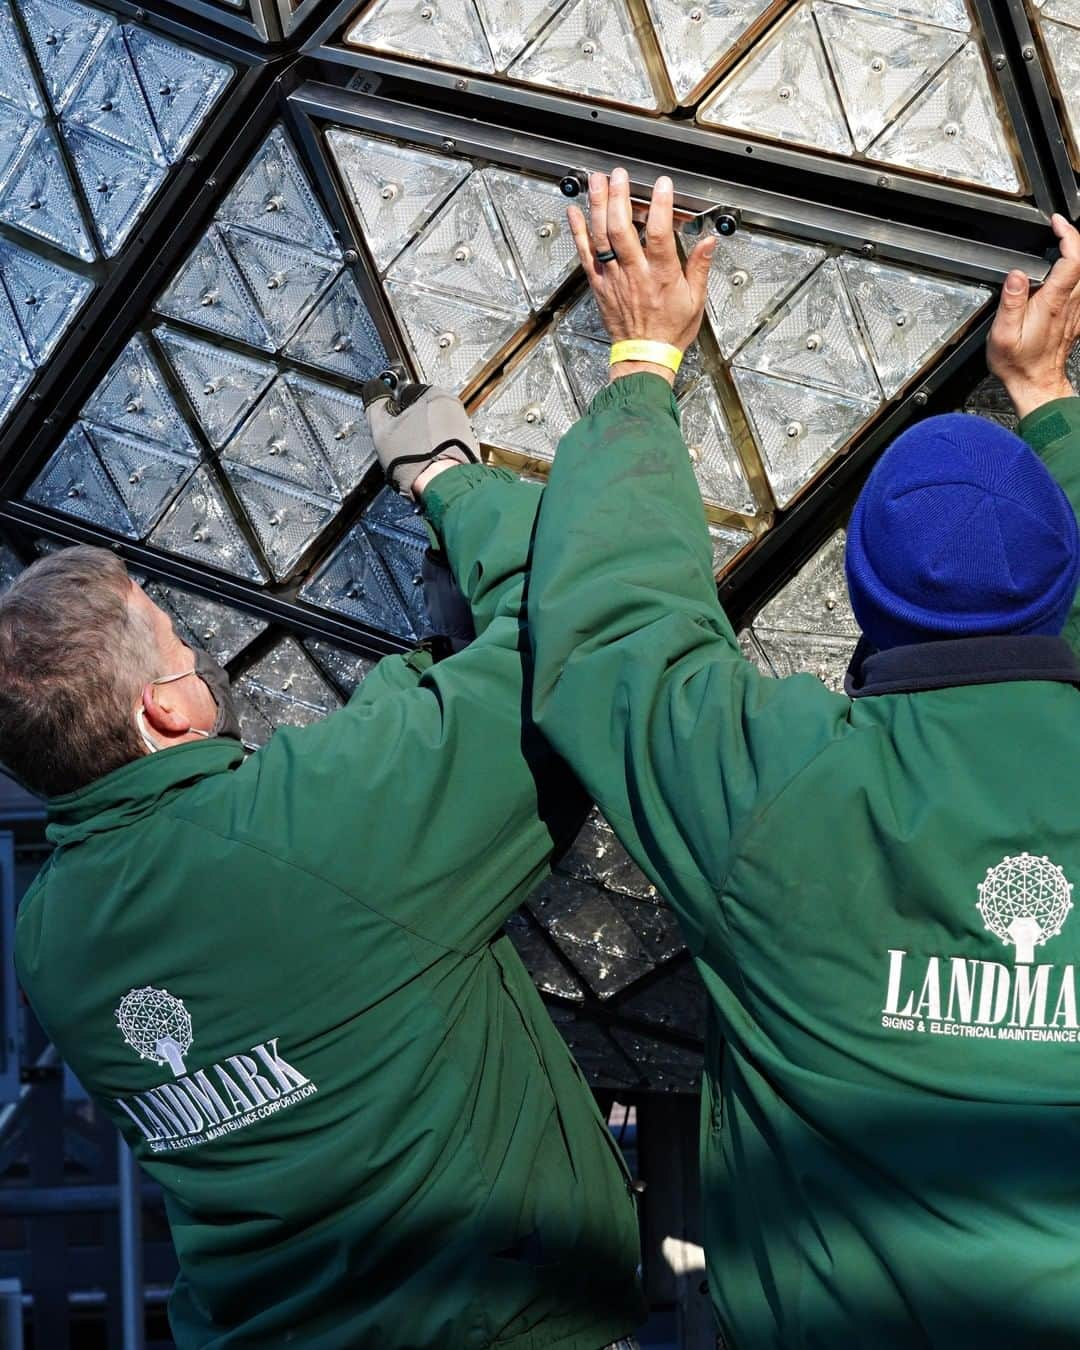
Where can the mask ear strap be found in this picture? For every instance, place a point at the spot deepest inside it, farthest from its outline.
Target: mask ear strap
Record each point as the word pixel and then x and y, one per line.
pixel 140 721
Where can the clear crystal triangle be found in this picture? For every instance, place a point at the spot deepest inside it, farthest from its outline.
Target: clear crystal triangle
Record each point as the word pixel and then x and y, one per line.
pixel 827 659
pixel 462 252
pixel 209 292
pixel 717 467
pixel 347 670
pixel 728 542
pixel 1063 46
pixel 797 429
pixel 450 341
pixel 590 48
pixel 340 335
pixel 110 102
pixel 276 440
pixel 273 196
pixel 531 409
pixel 447 32
pixel 695 37
pixel 200 526
pixel 220 385
pixel 286 688
pixel 340 426
pixel 511 25
pixel 14 379
pixel 354 581
pixel 44 296
pixel 286 519
pixel 146 476
pixel 814 337
pixel 783 90
pixel 181 86
pixel 117 183
pixel 394 190
pixel 15 355
pixel 907 317
pixel 815 600
pixel 18 85
pixel 583 317
pixel 75 484
pixel 944 13
pixel 65 37
pixel 988 399
pixel 880 64
pixel 38 197
pixel 586 363
pixel 133 398
pixel 285 281
pixel 17 130
pixel 219 629
pixel 399 534
pixel 532 213
pixel 954 129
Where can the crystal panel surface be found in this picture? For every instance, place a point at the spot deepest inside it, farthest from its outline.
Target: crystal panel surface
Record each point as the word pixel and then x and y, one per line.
pixel 596 855
pixel 728 542
pixel 717 467
pixel 815 600
pixel 273 197
pixel 355 581
pixel 117 183
pixel 282 688
pixel 451 342
pixel 45 298
pixel 550 974
pixel 695 36
pixel 39 198
pixel 340 426
pixel 209 292
pixel 532 408
pixel 285 281
pixel 147 476
pixel 66 37
pixel 200 526
pixel 219 629
pixel 511 25
pixel 347 670
pixel 585 361
pixel 181 86
pixel 18 86
pixel 447 32
pixel 595 938
pixel 285 518
pixel 221 386
pixel 807 654
pixel 1063 47
pixel 340 335
pixel 590 48
pixel 276 440
pixel 133 398
pixel 533 216
pixel 74 483
pixel 944 13
pixel 110 102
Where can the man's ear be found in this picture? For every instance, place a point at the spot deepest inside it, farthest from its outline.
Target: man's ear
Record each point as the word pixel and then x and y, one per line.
pixel 164 720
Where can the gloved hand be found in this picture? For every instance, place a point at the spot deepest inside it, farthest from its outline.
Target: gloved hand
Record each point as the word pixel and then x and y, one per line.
pixel 415 425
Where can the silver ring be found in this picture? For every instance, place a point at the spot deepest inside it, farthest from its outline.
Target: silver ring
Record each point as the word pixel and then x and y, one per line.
pixel 608 255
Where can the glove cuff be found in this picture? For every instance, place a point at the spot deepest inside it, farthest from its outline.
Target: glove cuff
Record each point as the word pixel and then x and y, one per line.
pixel 403 471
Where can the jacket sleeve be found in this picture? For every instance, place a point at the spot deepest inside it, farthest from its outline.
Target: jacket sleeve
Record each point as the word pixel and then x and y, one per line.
pixel 431 797
pixel 1053 431
pixel 639 680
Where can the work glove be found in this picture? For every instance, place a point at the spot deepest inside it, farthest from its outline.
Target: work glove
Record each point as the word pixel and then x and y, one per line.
pixel 415 425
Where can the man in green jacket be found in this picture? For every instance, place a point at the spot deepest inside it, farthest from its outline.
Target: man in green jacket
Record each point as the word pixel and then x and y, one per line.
pixel 876 888
pixel 284 977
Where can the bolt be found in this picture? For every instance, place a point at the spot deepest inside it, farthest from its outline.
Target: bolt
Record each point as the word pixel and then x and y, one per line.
pixel 794 430
pixel 813 342
pixel 533 415
pixel 785 93
pixel 739 278
pixel 877 65
pixel 350 255
pixel 193 159
pixel 882 181
pixel 1029 53
pixel 999 62
pixel 449 144
pixel 390 191
pixel 211 182
pixel 140 16
pixel 951 130
pixel 922 398
pixel 901 321
pixel 588 48
pixel 462 254
pixel 461 84
pixel 546 230
pixel 868 250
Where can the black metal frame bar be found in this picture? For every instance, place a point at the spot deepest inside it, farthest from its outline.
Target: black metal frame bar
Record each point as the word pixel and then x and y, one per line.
pixel 259 22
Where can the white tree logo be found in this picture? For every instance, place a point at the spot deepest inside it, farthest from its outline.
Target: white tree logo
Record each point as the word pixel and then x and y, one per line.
pixel 156 1025
pixel 1025 901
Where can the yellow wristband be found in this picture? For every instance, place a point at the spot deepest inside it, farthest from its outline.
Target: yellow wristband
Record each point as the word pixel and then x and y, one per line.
pixel 655 353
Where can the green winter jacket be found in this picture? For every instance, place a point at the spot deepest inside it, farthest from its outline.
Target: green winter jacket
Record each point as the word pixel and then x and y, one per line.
pixel 285 980
pixel 892 1086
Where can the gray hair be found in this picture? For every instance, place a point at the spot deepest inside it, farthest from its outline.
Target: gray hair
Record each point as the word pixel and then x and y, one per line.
pixel 74 656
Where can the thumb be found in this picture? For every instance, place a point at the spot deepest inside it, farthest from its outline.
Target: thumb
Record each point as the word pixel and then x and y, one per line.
pixel 1009 324
pixel 697 268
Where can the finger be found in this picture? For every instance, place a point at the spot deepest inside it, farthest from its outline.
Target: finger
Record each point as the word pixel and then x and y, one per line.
pixel 659 231
pixel 373 391
pixel 598 212
pixel 620 222
pixel 697 268
pixel 1008 327
pixel 1068 236
pixel 1065 274
pixel 580 230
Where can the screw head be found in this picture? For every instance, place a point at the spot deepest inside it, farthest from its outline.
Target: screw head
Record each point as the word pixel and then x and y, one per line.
pixel 922 398
pixel 449 143
pixel 999 62
pixel 1029 53
pixel 350 255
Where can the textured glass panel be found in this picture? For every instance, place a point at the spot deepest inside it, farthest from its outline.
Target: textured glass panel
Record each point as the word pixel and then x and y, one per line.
pixel 462 252
pixel 907 317
pixel 286 519
pixel 532 408
pixel 585 362
pixel 133 398
pixel 110 102
pixel 286 688
pixel 401 537
pixel 596 855
pixel 284 280
pixel 444 31
pixel 209 292
pixel 546 970
pixel 117 183
pixel 339 334
pixel 798 429
pixel 276 440
pixel 590 933
pixel 39 197
pixel 347 670
pixel 511 25
pixel 147 476
pixel 880 64
pixel 451 342
pixel 717 467
pixel 533 215
pixel 946 13
pixel 663 1067
pixel 74 483
pixel 220 385
pixel 815 600
pixel 989 399
pixel 696 35
pixel 65 36
pixel 953 129
pixel 340 426
pixel 583 317
pixel 654 924
pixel 17 130
pixel 600 1059
pixel 17 83
pixel 728 542
pixel 16 368
pixel 1063 46
pixel 355 581
pixel 44 296
pixel 200 526
pixel 676 1002
pixel 274 197
pixel 394 189
pixel 783 90
pixel 219 629
pixel 590 48
pixel 181 86
pixel 753 653
pixel 808 654
pixel 814 337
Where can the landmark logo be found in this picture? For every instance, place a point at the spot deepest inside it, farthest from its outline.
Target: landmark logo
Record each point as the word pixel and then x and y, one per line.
pixel 1025 901
pixel 157 1026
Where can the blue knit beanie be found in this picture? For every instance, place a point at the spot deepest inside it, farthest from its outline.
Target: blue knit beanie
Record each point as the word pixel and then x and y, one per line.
pixel 960 531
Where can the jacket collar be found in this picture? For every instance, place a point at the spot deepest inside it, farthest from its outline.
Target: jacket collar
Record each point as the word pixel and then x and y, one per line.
pixel 136 789
pixel 955 662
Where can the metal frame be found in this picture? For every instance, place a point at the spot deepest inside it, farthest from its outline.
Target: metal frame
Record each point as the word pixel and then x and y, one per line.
pixel 258 21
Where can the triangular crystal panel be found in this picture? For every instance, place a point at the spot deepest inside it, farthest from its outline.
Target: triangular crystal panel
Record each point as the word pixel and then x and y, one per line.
pixel 133 398
pixel 276 440
pixel 462 252
pixel 200 526
pixel 14 378
pixel 66 37
pixel 147 476
pixel 797 429
pixel 17 83
pixel 340 425
pixel 880 64
pixel 815 600
pixel 954 129
pixel 988 399
pixel 273 196
pixel 827 659
pixel 285 518
pixel 219 629
pixel 286 689
pixel 814 337
pixel 944 13
pixel 532 408
pixel 447 32
pixel 717 467
pixel 220 385
pixel 181 86
pixel 728 542
pixel 17 129
pixel 117 183
pixel 110 102
pixel 783 90
pixel 394 190
pixel 340 335
pixel 589 931
pixel 44 296
pixel 585 361
pixel 347 670
pixel 284 280
pixel 209 292
pixel 511 25
pixel 75 484
pixel 451 342
pixel 907 316
pixel 695 37
pixel 533 216
pixel 583 317
pixel 1063 46
pixel 14 353
pixel 354 581
pixel 39 198
pixel 590 48
pixel 398 532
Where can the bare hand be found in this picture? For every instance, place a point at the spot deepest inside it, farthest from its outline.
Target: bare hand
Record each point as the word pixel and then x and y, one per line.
pixel 1033 335
pixel 643 293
